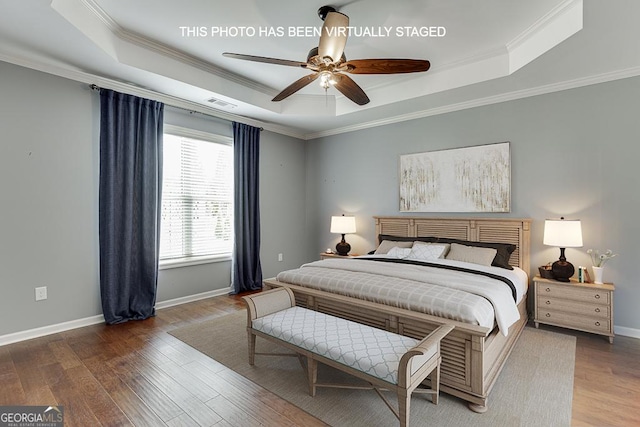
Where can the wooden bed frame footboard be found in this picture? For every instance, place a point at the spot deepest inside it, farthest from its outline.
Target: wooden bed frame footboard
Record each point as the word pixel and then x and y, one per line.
pixel 472 356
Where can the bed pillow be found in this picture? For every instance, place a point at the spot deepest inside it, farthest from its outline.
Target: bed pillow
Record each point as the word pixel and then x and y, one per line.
pixel 475 255
pixel 382 237
pixel 503 250
pixel 386 245
pixel 398 252
pixel 423 251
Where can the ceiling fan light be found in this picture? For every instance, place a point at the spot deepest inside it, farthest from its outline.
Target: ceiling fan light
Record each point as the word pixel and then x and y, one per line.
pixel 326 78
pixel 330 72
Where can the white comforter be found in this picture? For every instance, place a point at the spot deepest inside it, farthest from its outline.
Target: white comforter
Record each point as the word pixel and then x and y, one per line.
pixel 451 294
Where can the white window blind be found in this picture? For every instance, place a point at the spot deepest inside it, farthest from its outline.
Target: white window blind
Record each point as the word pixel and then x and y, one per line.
pixel 197 199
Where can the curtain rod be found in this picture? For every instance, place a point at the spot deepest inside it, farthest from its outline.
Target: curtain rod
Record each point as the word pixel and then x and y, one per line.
pixel 97 88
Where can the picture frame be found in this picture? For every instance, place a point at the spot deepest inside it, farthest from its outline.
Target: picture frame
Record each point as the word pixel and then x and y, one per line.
pixel 467 179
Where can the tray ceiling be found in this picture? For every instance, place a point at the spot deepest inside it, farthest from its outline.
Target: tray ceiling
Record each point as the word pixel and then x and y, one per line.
pixel 486 51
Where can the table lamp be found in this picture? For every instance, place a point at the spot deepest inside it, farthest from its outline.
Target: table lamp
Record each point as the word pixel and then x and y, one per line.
pixel 343 225
pixel 562 233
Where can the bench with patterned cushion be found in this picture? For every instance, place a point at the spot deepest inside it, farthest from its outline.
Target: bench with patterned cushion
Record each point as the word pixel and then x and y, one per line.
pixel 383 359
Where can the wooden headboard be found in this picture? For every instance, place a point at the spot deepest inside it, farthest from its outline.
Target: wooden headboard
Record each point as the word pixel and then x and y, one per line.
pixel 503 230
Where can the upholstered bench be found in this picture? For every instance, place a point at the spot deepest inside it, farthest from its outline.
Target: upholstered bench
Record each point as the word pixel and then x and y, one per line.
pixel 387 361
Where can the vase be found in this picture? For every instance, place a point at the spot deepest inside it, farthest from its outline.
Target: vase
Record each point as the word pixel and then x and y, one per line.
pixel 597 275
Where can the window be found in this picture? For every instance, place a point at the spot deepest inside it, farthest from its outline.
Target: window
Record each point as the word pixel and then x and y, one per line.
pixel 197 197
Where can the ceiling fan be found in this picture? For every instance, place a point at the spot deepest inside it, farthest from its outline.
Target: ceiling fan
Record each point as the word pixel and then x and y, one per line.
pixel 328 62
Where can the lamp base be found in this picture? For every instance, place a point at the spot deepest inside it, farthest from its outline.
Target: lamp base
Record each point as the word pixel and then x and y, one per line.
pixel 343 247
pixel 562 270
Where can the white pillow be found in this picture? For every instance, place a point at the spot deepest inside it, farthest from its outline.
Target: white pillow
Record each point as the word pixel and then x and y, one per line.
pixel 423 251
pixel 387 245
pixel 472 254
pixel 397 252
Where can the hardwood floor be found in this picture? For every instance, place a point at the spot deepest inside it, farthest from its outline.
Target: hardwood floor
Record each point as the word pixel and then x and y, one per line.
pixel 138 374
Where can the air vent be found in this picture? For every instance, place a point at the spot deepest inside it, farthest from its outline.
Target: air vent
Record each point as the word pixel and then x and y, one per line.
pixel 220 103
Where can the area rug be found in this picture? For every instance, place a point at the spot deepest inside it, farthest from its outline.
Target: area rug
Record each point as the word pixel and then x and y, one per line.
pixel 535 387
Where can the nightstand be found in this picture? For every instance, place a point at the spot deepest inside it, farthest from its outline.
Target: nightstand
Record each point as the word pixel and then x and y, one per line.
pixel 325 255
pixel 582 306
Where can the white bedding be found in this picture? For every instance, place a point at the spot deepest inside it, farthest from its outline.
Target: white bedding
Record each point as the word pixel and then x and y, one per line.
pixel 450 294
pixel 518 277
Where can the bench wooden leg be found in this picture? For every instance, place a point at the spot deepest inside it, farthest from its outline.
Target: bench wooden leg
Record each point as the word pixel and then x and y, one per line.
pixel 404 407
pixel 435 384
pixel 252 347
pixel 312 374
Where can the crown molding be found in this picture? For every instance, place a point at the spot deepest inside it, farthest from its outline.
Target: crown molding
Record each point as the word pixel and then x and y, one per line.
pixel 73 10
pixel 534 41
pixel 544 22
pixel 164 50
pixel 103 82
pixel 489 100
pixel 88 78
pixel 102 15
pixel 522 47
pixel 440 68
pixel 560 23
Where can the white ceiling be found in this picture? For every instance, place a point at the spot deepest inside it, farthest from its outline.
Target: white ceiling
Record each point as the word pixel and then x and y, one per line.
pixel 491 51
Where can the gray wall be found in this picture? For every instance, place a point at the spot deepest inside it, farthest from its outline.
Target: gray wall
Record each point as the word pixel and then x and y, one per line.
pixel 573 153
pixel 282 203
pixel 49 160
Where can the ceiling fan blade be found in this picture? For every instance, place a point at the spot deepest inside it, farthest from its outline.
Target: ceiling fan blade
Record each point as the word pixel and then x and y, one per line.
pixel 350 89
pixel 333 37
pixel 265 60
pixel 296 86
pixel 386 66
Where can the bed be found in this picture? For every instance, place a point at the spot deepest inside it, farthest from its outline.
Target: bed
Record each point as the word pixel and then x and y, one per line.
pixel 472 355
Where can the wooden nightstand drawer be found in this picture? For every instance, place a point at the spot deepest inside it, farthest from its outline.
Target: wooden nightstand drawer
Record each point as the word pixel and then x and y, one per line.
pixel 574 321
pixel 580 308
pixel 583 306
pixel 573 293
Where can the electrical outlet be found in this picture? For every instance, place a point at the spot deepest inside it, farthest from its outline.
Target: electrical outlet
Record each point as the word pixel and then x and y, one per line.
pixel 280 257
pixel 41 293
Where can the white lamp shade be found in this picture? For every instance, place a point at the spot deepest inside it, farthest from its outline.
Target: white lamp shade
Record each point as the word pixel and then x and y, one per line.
pixel 343 224
pixel 563 233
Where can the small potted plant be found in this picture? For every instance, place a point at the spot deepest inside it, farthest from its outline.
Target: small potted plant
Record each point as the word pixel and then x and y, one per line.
pixel 599 260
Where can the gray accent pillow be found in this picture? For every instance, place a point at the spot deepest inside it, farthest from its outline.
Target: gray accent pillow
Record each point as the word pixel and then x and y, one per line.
pixel 504 250
pixel 475 255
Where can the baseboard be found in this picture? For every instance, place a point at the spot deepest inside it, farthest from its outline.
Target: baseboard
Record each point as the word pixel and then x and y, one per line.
pixel 627 332
pixel 50 329
pixel 192 298
pixel 93 320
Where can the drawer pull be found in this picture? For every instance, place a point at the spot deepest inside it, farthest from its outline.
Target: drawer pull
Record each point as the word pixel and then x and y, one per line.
pixel 547 302
pixel 597 310
pixel 597 296
pixel 548 314
pixel 597 323
pixel 548 290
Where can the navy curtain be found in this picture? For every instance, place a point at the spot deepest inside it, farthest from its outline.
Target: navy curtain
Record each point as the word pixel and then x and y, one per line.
pixel 130 192
pixel 246 274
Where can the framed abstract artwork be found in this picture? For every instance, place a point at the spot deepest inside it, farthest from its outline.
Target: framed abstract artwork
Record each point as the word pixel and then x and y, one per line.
pixel 469 179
